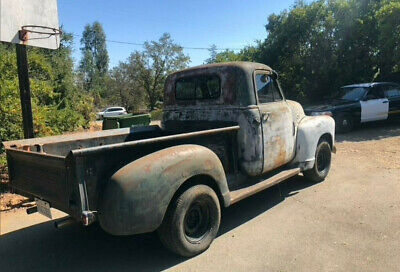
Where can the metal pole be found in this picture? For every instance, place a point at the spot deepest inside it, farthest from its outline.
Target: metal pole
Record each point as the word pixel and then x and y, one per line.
pixel 25 91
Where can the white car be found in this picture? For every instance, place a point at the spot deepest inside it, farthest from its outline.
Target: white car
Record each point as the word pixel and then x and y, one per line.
pixel 111 112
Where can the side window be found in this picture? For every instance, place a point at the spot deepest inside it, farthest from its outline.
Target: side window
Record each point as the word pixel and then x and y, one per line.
pixel 392 92
pixel 267 89
pixel 375 93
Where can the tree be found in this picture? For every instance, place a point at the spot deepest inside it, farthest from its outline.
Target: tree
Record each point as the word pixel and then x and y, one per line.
pixel 228 55
pixel 246 54
pixel 140 79
pixel 213 54
pixel 319 46
pixel 388 27
pixel 94 63
pixel 155 63
pixel 57 103
pixel 124 87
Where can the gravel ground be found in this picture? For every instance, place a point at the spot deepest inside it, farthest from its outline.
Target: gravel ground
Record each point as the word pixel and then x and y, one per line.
pixel 349 222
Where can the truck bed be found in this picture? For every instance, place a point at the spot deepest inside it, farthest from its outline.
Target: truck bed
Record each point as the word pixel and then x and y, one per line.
pixel 68 170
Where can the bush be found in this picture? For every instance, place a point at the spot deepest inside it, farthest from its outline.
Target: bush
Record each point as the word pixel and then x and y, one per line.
pixel 3 173
pixel 156 115
pixel 57 103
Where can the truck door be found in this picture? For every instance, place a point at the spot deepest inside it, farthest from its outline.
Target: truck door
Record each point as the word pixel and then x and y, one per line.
pixel 374 106
pixel 276 121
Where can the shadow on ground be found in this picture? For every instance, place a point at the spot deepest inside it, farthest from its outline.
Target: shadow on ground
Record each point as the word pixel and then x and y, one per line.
pixel 75 248
pixel 371 131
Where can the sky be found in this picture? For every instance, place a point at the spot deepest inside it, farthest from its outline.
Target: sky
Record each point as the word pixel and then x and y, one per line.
pixel 195 23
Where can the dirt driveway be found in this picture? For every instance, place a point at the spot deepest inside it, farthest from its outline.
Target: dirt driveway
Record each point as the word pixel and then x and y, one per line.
pixel 349 222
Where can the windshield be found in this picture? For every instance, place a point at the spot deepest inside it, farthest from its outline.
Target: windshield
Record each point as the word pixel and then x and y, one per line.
pixel 351 93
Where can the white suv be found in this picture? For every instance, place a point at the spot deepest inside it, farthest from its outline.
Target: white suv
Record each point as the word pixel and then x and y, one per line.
pixel 111 112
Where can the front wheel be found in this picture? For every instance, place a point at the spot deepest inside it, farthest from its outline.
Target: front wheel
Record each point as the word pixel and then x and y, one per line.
pixel 192 222
pixel 322 163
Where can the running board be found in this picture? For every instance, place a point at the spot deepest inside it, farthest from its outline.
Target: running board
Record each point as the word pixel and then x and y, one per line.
pixel 240 194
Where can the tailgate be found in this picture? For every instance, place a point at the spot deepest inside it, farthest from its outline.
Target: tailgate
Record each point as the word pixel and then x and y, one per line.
pixel 39 174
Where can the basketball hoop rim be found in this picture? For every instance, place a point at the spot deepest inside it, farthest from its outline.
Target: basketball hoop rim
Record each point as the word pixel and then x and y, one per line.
pixel 51 31
pixel 55 31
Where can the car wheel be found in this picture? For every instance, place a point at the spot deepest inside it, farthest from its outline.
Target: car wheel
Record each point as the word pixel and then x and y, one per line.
pixel 192 222
pixel 322 163
pixel 344 124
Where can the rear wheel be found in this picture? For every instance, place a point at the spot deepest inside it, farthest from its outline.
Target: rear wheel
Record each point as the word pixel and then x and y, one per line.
pixel 322 162
pixel 192 222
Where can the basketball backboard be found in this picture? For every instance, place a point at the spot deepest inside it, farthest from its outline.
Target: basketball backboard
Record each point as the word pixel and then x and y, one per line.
pixel 36 19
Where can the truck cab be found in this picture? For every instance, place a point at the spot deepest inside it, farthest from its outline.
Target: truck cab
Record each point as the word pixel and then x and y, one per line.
pixel 273 131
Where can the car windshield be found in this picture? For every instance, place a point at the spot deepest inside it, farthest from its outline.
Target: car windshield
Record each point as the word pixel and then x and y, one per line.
pixel 350 93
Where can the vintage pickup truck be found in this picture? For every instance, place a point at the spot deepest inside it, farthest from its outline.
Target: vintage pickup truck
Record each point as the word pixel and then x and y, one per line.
pixel 227 133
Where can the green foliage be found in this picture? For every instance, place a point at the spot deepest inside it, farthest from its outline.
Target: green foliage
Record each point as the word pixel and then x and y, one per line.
pixel 227 55
pixel 246 54
pixel 94 63
pixel 156 115
pixel 158 60
pixel 3 162
pixel 10 108
pixel 57 103
pixel 141 78
pixel 388 26
pixel 124 88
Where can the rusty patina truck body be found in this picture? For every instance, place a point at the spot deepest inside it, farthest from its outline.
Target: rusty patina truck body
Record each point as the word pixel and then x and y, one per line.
pixel 227 132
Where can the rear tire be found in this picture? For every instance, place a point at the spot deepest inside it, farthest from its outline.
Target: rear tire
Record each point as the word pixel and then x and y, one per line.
pixel 322 163
pixel 192 222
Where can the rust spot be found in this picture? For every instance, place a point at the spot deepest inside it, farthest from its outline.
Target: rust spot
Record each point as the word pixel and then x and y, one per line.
pixel 208 164
pixel 281 157
pixel 175 168
pixel 229 88
pixel 23 36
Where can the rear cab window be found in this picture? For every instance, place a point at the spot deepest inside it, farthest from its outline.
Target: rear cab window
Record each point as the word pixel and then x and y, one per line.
pixel 198 87
pixel 267 88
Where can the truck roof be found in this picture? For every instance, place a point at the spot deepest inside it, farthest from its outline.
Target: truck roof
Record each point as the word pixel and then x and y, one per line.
pixel 244 65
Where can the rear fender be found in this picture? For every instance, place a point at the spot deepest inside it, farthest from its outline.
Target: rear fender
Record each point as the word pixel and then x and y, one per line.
pixel 309 131
pixel 137 196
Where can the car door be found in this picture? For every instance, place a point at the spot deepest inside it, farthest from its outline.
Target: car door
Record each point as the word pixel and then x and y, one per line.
pixel 374 106
pixel 117 112
pixel 276 121
pixel 113 112
pixel 106 113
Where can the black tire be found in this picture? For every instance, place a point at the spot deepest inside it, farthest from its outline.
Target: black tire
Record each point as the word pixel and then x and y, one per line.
pixel 322 163
pixel 192 221
pixel 344 124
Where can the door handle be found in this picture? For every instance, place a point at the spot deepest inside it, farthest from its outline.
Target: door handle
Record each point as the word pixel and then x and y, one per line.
pixel 384 102
pixel 265 116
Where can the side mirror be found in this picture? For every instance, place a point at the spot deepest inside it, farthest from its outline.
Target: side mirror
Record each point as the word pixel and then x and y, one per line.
pixel 264 78
pixel 274 75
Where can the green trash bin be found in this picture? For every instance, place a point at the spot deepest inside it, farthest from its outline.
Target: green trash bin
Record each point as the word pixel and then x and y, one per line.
pixel 127 120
